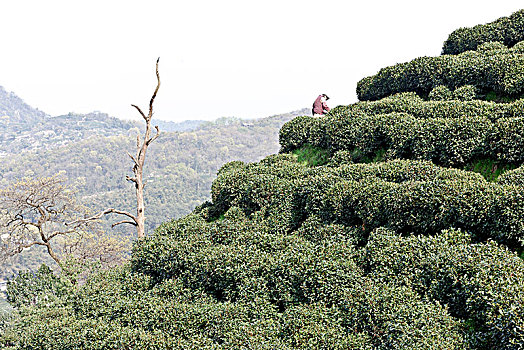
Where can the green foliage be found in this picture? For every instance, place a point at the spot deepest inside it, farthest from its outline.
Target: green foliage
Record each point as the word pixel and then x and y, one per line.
pixel 404 195
pixel 411 103
pixel 513 177
pixel 311 155
pixel 477 282
pixel 41 287
pixel 449 133
pixel 508 142
pixel 440 93
pixel 465 93
pixel 310 257
pixel 497 70
pixel 491 46
pixel 301 131
pixel 505 31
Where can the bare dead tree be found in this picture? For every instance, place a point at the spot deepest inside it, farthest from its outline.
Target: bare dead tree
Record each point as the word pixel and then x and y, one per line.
pixel 138 220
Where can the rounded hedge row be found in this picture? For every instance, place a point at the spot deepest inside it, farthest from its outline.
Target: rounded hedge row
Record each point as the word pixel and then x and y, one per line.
pixel 300 277
pixel 512 177
pixel 499 70
pixel 411 310
pixel 405 195
pixel 231 284
pixel 443 93
pixel 445 141
pixel 506 30
pixel 483 209
pixel 310 258
pixel 481 284
pixel 411 103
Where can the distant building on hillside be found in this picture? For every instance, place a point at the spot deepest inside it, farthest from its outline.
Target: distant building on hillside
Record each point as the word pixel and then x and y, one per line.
pixel 3 286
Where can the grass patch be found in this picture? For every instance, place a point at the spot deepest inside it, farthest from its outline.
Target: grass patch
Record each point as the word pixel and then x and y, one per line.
pixel 493 97
pixel 359 157
pixel 489 168
pixel 379 156
pixel 220 217
pixel 311 155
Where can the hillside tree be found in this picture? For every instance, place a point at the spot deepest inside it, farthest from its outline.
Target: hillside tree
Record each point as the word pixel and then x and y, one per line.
pixel 44 212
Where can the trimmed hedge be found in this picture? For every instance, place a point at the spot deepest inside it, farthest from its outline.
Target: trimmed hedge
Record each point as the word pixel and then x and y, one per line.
pixel 443 93
pixel 411 103
pixel 465 93
pixel 445 141
pixel 486 210
pixel 512 177
pixel 481 284
pixel 440 93
pixel 404 195
pixel 506 31
pixel 499 70
pixel 305 258
pixel 310 278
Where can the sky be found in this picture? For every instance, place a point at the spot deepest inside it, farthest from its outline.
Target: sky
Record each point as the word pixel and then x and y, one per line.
pixel 218 58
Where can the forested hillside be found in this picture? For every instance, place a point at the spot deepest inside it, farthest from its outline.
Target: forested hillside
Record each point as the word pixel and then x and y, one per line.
pixel 180 168
pixel 393 223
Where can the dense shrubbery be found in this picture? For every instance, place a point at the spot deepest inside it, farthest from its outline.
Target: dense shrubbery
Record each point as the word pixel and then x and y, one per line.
pixel 445 141
pixel 443 93
pixel 506 30
pixel 499 70
pixel 478 282
pixel 235 283
pixel 299 251
pixel 304 274
pixel 465 93
pixel 411 103
pixel 440 93
pixel 513 177
pixel 404 195
pixel 41 287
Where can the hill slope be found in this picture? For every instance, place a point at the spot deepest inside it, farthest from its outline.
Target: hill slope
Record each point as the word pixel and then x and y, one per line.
pixel 391 243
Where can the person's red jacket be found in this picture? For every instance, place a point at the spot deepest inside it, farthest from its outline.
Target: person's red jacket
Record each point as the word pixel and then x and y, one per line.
pixel 320 107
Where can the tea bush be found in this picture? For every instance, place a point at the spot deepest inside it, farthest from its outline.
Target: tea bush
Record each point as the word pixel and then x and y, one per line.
pixel 411 103
pixel 404 195
pixel 445 141
pixel 505 30
pixel 440 93
pixel 486 210
pixel 512 177
pixel 465 93
pixel 501 71
pixel 481 284
pixel 35 288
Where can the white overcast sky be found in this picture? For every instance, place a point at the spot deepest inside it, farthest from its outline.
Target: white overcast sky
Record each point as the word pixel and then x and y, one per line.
pixel 218 58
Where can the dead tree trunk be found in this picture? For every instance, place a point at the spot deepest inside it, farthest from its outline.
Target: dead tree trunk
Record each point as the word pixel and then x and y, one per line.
pixel 139 159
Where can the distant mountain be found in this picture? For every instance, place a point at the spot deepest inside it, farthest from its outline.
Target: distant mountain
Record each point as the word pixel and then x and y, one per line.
pixel 14 111
pixel 24 128
pixel 186 125
pixel 51 132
